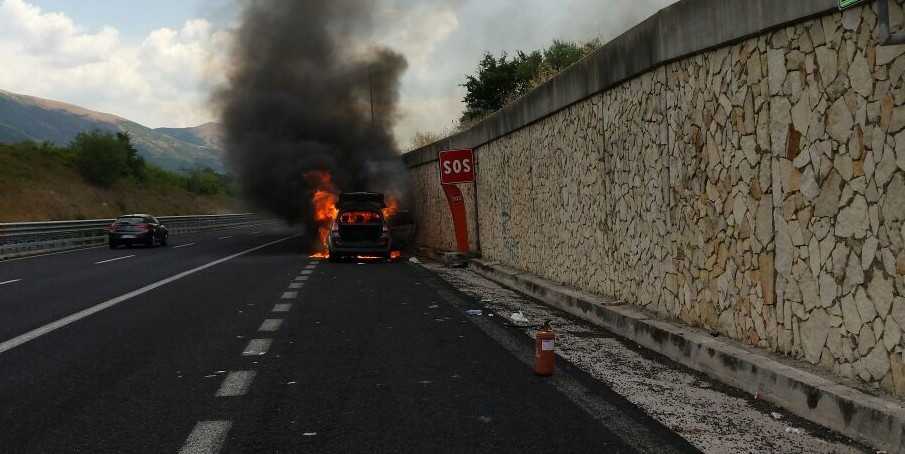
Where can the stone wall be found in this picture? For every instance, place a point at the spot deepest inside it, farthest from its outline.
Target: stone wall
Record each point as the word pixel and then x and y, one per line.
pixel 757 190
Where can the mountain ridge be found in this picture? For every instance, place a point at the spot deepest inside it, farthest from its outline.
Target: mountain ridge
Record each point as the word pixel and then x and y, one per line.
pixel 24 118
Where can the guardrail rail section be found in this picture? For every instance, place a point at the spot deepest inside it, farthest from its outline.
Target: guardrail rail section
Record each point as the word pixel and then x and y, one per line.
pixel 32 238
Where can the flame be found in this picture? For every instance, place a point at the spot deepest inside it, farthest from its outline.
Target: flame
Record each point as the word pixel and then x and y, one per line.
pixel 395 255
pixel 392 208
pixel 324 203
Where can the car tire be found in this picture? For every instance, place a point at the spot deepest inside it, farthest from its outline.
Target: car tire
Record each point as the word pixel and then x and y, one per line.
pixel 333 258
pixel 112 245
pixel 163 241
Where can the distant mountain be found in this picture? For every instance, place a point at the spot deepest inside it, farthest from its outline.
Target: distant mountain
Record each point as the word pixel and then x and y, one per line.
pixel 41 120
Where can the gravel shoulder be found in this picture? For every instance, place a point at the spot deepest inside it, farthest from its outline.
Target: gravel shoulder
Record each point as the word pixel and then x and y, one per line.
pixel 713 417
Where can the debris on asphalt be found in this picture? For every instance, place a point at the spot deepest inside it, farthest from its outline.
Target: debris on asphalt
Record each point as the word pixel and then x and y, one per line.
pixel 474 312
pixel 775 415
pixel 309 434
pixel 425 382
pixel 433 306
pixel 414 260
pixel 291 383
pixel 715 418
pixel 519 317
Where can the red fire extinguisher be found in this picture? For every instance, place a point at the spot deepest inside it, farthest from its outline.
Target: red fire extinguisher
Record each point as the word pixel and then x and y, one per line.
pixel 544 355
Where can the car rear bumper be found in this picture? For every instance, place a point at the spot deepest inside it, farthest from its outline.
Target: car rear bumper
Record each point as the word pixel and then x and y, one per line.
pixel 123 237
pixel 377 248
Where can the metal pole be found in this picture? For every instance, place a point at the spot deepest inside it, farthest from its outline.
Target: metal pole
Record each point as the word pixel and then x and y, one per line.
pixel 477 219
pixel 371 95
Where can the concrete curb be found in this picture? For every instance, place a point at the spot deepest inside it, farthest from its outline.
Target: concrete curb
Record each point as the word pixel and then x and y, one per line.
pixel 874 420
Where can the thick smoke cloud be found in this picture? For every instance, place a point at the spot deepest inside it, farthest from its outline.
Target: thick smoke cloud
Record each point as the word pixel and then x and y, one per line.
pixel 308 93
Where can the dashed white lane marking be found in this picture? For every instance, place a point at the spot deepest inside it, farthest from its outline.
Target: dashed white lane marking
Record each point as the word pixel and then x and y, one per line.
pixel 206 438
pixel 282 308
pixel 225 237
pixel 114 260
pixel 311 267
pixel 307 272
pixel 11 282
pixel 290 295
pixel 296 285
pixel 68 320
pixel 301 278
pixel 236 383
pixel 271 324
pixel 184 245
pixel 257 347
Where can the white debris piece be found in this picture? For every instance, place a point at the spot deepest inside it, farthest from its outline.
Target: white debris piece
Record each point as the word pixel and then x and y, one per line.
pixel 519 317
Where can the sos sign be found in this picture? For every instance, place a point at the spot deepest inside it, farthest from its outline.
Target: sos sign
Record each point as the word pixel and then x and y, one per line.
pixel 456 166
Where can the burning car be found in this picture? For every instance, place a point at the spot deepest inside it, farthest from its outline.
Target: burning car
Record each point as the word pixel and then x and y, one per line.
pixel 360 227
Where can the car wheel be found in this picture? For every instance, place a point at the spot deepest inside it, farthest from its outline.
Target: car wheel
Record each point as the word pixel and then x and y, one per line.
pixel 333 258
pixel 163 242
pixel 112 245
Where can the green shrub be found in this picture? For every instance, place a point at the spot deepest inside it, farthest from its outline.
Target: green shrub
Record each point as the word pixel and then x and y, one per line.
pixel 104 158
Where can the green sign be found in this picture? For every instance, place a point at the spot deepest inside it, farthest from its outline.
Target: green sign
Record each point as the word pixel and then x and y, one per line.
pixel 844 4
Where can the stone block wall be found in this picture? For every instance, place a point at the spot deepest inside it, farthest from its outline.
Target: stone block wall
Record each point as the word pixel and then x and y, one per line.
pixel 757 190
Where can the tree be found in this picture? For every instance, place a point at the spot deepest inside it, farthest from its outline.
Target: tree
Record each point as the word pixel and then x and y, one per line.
pixel 103 158
pixel 500 80
pixel 424 138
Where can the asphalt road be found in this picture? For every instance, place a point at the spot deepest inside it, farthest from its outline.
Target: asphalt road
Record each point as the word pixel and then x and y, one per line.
pixel 237 343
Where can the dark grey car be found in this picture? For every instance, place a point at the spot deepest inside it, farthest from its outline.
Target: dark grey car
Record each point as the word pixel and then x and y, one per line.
pixel 135 229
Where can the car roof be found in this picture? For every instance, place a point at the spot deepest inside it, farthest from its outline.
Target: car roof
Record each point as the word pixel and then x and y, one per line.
pixel 136 215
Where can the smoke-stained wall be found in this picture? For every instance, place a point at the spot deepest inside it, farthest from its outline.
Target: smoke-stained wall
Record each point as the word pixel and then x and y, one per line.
pixel 757 190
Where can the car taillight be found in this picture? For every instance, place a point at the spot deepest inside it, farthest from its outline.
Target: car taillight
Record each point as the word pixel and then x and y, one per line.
pixel 144 227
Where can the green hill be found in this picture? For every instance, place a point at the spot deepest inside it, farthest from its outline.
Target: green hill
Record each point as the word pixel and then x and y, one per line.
pixel 40 120
pixel 40 182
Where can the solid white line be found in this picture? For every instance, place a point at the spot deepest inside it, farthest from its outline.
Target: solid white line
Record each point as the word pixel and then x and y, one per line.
pixel 282 308
pixel 50 327
pixel 184 245
pixel 113 260
pixel 290 295
pixel 11 282
pixel 225 237
pixel 206 438
pixel 257 347
pixel 271 325
pixel 236 383
pixel 294 285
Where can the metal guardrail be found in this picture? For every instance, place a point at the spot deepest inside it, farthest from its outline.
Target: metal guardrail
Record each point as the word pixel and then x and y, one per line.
pixel 31 238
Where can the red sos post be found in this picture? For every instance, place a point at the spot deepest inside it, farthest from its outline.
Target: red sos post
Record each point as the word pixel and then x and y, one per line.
pixel 457 167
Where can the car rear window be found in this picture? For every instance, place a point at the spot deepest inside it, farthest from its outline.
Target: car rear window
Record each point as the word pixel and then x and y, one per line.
pixel 131 220
pixel 360 217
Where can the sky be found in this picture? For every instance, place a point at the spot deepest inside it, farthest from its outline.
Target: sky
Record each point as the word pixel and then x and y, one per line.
pixel 155 62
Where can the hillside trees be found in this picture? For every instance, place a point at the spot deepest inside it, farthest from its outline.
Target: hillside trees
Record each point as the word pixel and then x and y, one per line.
pixel 500 80
pixel 104 158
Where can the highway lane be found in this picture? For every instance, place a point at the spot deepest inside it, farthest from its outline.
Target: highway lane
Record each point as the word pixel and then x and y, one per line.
pixel 269 352
pixel 50 287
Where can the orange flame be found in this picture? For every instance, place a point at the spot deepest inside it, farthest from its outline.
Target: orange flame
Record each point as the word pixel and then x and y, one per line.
pixel 325 211
pixel 392 207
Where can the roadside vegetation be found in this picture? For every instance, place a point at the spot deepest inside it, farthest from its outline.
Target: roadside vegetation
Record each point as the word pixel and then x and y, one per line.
pixel 500 80
pixel 101 175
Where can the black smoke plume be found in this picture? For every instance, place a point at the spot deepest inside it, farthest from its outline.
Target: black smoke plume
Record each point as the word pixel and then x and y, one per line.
pixel 309 93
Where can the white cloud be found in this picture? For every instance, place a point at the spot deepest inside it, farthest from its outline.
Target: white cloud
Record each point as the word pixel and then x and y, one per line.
pixel 163 81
